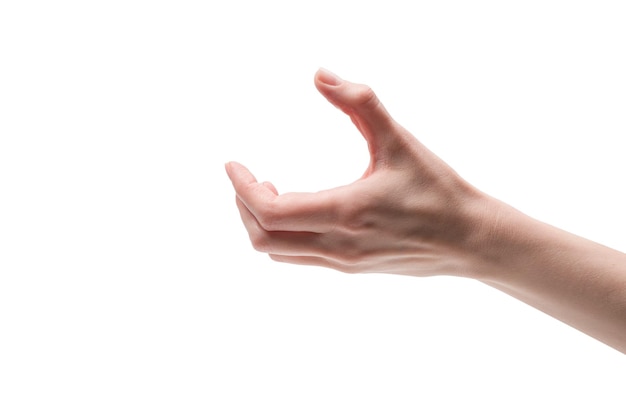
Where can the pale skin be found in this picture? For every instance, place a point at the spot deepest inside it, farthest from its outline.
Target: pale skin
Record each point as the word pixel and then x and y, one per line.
pixel 411 214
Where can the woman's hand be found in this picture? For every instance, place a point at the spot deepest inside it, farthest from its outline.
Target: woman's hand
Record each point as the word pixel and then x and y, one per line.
pixel 410 213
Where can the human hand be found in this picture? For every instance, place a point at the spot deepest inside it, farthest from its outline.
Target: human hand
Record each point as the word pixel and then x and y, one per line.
pixel 409 213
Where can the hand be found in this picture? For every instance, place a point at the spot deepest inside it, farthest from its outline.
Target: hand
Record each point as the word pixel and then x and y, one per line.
pixel 410 213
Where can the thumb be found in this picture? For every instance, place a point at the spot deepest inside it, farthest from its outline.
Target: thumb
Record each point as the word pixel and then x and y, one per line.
pixel 362 105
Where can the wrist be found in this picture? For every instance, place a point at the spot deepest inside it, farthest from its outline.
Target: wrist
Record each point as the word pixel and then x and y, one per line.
pixel 498 239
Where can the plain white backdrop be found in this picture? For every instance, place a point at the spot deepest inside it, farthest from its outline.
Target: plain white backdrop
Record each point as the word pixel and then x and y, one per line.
pixel 128 286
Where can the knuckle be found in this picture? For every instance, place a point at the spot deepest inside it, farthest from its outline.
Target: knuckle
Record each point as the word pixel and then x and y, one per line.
pixel 349 269
pixel 268 217
pixel 365 97
pixel 351 257
pixel 356 217
pixel 278 258
pixel 260 242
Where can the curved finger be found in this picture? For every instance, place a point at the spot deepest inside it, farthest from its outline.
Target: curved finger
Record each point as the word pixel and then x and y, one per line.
pixel 278 242
pixel 305 212
pixel 364 108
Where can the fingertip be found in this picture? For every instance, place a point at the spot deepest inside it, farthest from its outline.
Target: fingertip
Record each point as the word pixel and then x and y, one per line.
pixel 235 170
pixel 345 94
pixel 326 77
pixel 239 174
pixel 233 165
pixel 329 85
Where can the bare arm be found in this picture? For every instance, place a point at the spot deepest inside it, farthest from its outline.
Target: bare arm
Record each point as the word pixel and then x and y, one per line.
pixel 578 281
pixel 411 214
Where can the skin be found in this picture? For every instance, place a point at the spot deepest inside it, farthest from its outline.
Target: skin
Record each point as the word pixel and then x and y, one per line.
pixel 411 214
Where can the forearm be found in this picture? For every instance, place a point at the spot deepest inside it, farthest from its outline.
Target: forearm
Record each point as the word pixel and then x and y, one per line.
pixel 577 281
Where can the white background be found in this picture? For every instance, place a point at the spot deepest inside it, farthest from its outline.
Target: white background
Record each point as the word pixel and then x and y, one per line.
pixel 128 287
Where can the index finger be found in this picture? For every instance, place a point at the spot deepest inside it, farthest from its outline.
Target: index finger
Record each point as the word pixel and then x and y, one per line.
pixel 310 212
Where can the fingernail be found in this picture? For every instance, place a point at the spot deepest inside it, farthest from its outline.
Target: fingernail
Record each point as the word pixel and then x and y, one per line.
pixel 327 77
